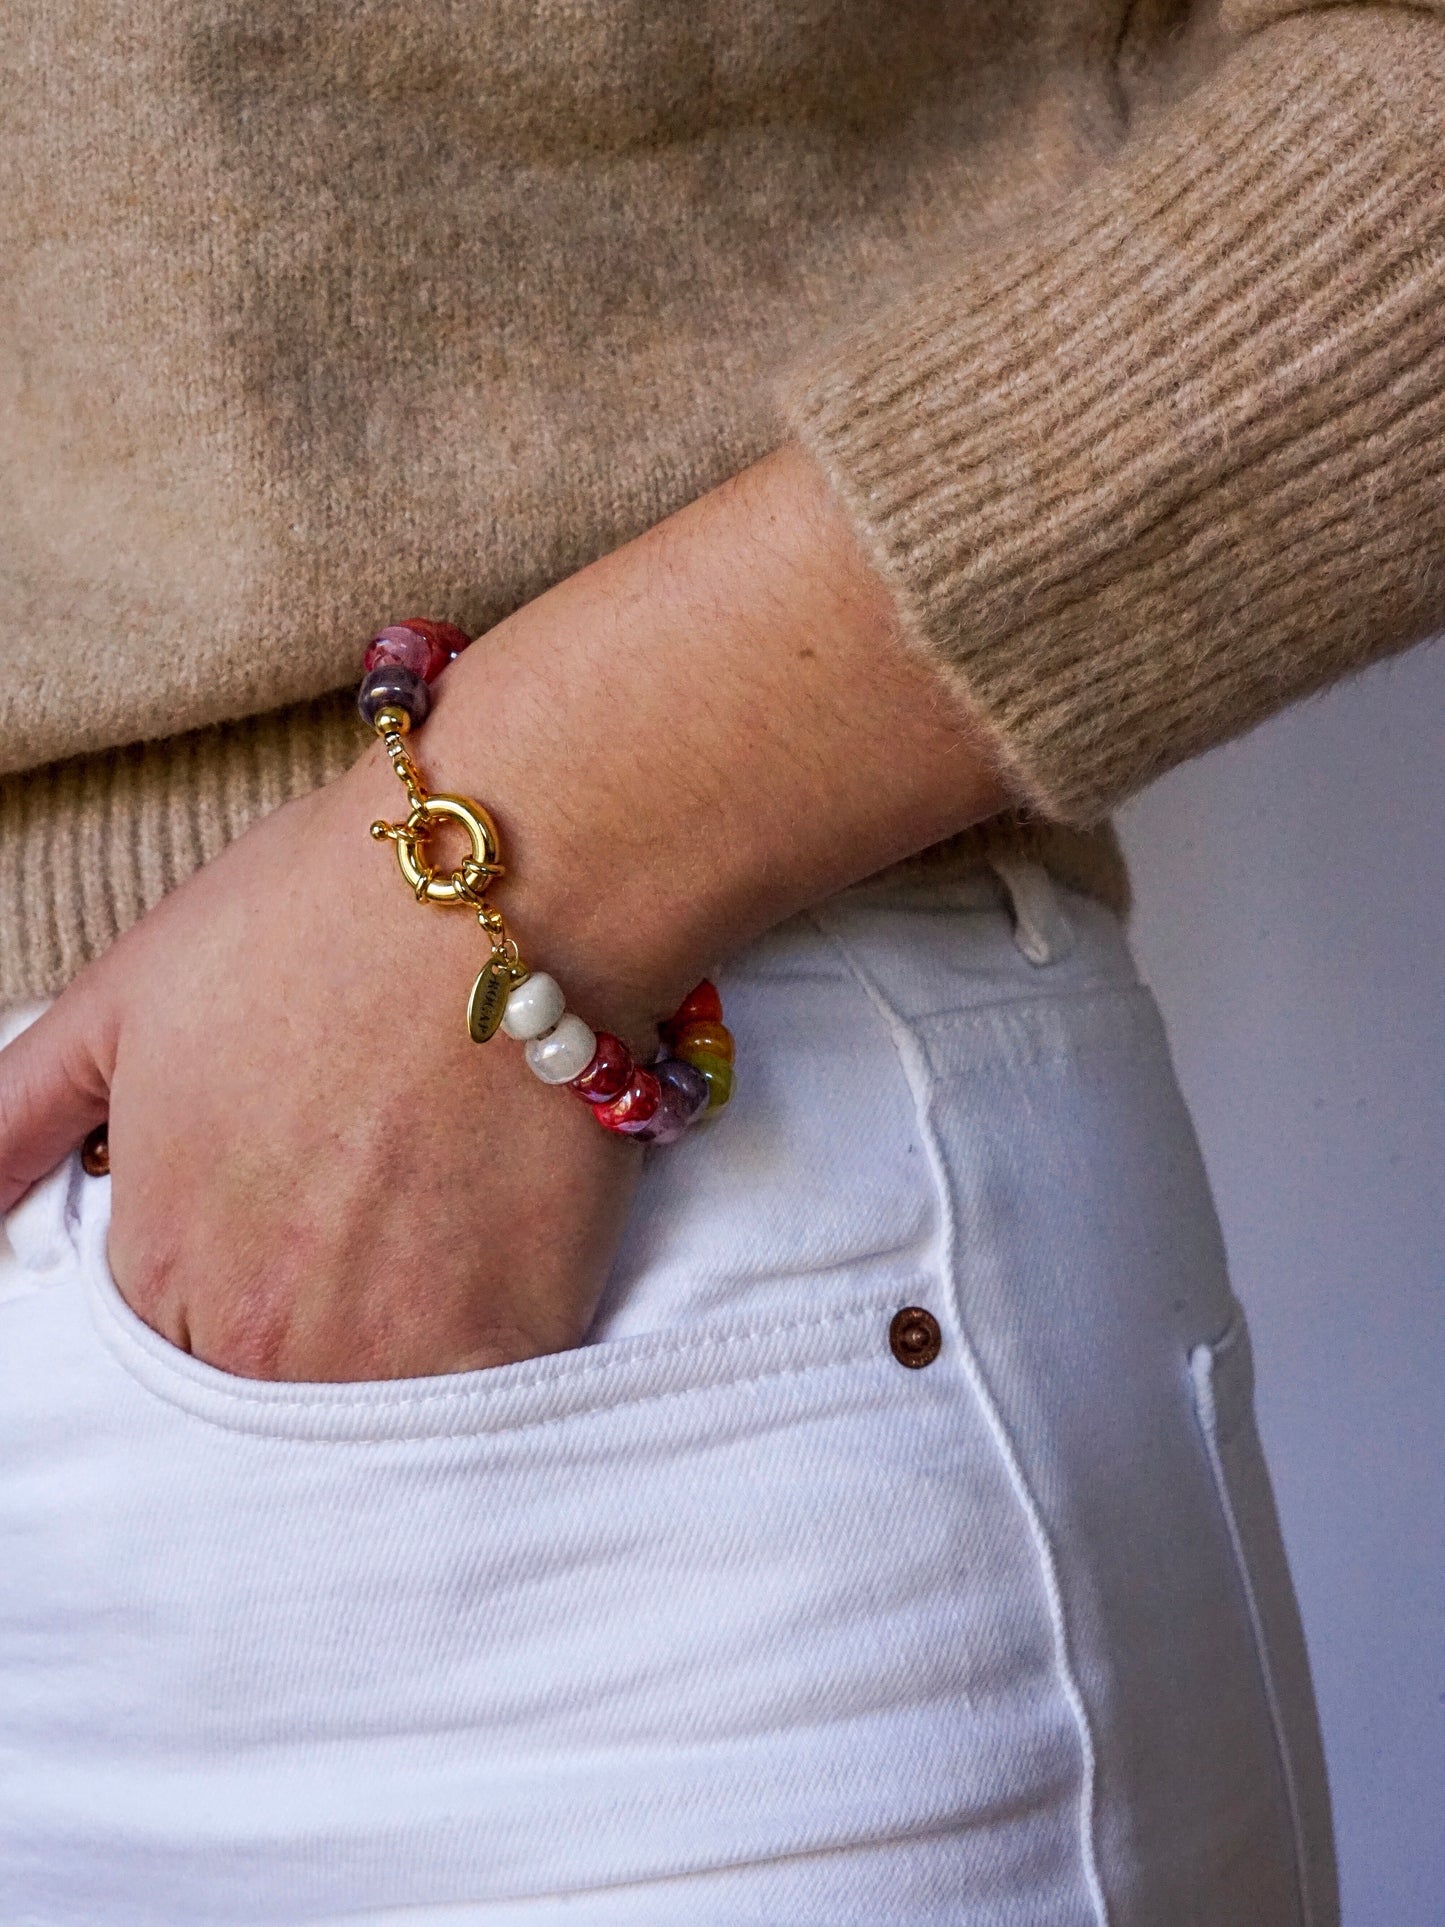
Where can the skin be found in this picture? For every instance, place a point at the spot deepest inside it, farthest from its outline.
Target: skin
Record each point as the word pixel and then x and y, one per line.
pixel 316 1175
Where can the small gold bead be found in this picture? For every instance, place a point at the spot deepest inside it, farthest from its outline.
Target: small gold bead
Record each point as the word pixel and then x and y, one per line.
pixel 391 722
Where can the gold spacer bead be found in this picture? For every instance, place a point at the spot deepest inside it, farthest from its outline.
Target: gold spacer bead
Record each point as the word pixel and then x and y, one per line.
pixel 391 722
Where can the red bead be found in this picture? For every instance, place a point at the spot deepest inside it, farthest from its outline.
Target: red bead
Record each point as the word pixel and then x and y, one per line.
pixel 701 1005
pixel 607 1075
pixel 634 1108
pixel 445 636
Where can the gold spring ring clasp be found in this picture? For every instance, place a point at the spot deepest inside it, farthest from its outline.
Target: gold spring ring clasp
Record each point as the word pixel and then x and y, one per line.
pixel 466 885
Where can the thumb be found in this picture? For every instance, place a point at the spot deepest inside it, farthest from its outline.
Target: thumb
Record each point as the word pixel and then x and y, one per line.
pixel 54 1086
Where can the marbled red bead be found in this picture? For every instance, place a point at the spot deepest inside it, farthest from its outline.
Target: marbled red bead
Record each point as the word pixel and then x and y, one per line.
pixel 402 647
pixel 445 636
pixel 607 1075
pixel 634 1108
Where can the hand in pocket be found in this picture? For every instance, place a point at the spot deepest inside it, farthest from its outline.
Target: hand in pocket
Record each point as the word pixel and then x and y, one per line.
pixel 316 1174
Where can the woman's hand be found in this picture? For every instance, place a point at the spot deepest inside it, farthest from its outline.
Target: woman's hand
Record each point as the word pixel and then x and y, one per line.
pixel 315 1173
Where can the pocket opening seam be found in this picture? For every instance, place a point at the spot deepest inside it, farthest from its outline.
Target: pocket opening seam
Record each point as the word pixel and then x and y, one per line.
pixel 285 1403
pixel 520 1427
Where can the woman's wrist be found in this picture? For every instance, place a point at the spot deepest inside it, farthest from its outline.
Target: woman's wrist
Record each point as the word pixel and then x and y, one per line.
pixel 693 738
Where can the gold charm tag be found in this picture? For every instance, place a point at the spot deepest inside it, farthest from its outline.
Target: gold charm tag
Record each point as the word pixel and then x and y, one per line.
pixel 488 1000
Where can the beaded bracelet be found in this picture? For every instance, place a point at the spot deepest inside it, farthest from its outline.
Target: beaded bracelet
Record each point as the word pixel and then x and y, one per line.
pixel 693 1074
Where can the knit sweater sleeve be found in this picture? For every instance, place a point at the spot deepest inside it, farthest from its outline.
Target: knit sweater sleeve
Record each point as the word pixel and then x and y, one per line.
pixel 1176 457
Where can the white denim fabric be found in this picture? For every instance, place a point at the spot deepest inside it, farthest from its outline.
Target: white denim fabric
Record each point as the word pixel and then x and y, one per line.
pixel 725 1619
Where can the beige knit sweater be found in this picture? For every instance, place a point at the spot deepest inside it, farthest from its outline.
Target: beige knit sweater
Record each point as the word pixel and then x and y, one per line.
pixel 1118 327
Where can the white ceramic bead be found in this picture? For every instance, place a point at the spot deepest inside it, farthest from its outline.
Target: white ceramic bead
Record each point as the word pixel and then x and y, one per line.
pixel 533 1007
pixel 564 1053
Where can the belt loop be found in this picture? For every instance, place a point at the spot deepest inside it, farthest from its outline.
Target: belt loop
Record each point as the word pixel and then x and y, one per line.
pixel 1042 929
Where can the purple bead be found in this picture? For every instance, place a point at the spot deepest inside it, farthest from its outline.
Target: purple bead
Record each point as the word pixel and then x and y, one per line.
pixel 671 1118
pixel 393 687
pixel 673 1074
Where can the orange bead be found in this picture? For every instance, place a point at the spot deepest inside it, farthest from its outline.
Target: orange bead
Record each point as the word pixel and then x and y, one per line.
pixel 712 1040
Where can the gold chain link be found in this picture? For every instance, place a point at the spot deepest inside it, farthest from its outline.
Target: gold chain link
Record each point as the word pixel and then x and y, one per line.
pixel 467 885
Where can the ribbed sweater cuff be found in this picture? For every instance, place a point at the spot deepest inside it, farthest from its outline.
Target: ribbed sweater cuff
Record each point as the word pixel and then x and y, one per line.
pixel 1178 458
pixel 87 846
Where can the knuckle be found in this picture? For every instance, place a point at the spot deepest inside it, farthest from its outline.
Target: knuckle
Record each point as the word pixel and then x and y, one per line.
pixel 146 1278
pixel 196 1306
pixel 248 1340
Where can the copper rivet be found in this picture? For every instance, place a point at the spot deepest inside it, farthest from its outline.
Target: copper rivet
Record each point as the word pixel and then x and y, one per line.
pixel 95 1153
pixel 915 1337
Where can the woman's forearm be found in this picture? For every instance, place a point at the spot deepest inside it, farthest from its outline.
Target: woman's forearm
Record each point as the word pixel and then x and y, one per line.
pixel 702 733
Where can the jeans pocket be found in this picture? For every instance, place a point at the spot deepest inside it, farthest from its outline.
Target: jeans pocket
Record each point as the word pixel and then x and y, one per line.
pixel 560 1387
pixel 1223 1379
pixel 311 1649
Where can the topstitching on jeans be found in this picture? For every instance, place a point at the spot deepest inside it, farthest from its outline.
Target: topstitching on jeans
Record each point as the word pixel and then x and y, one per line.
pixel 1024 1032
pixel 916 1068
pixel 205 1393
pixel 1210 1365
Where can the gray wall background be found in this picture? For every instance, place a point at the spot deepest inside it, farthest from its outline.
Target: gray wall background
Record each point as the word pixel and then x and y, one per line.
pixel 1291 920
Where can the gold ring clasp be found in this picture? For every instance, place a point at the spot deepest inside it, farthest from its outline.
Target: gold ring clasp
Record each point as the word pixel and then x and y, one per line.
pixel 465 885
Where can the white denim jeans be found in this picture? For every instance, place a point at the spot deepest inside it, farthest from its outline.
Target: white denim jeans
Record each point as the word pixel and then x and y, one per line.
pixel 726 1619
